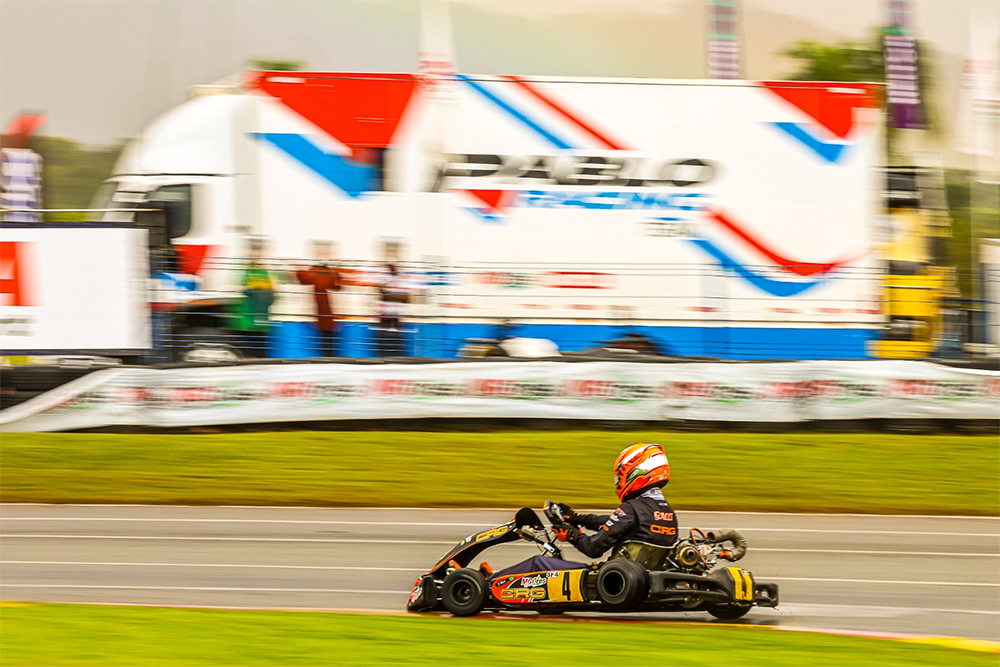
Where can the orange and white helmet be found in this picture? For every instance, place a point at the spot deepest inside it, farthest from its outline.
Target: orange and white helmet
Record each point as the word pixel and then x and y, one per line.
pixel 639 467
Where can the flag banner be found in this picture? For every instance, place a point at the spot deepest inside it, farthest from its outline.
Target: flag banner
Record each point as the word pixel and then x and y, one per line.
pixel 902 73
pixel 723 40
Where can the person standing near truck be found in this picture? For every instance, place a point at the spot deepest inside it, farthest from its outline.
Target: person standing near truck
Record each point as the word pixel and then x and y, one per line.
pixel 395 290
pixel 324 278
pixel 253 310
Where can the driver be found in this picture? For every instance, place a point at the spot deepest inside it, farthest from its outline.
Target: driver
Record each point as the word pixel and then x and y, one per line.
pixel 644 515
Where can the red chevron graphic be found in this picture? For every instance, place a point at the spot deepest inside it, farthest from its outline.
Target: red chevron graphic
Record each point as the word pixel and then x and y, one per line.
pixel 358 110
pixel 496 201
pixel 190 258
pixel 831 105
pixel 796 267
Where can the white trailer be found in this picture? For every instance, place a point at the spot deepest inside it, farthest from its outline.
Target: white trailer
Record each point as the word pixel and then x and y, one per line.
pixel 724 218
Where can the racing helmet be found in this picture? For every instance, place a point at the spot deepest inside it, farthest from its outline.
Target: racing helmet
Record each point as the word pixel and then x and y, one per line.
pixel 639 467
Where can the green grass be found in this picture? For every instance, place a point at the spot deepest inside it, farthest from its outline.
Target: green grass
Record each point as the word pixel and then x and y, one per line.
pixel 79 635
pixel 763 472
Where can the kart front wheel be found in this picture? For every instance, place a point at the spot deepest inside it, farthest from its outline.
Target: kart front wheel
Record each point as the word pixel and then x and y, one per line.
pixel 464 592
pixel 728 612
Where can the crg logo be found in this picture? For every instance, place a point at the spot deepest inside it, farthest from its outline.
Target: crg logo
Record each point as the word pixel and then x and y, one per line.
pixel 575 170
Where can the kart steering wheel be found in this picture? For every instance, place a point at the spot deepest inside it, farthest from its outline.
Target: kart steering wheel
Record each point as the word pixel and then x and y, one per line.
pixel 553 514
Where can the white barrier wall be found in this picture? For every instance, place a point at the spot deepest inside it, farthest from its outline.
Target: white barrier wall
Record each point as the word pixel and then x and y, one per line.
pixel 717 392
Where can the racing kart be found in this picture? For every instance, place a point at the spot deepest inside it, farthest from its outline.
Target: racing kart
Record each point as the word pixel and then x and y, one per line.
pixel 638 577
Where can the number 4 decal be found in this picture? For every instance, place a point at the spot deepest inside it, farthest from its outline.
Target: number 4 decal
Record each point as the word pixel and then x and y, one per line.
pixel 743 583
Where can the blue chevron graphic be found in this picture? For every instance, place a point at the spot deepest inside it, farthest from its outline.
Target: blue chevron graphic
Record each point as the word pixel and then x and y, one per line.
pixel 831 151
pixel 351 177
pixel 541 131
pixel 769 285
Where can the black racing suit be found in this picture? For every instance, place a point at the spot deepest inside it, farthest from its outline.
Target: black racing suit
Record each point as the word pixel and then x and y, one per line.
pixel 646 518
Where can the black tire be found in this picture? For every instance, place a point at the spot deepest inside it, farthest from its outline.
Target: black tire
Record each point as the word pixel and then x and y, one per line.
pixel 464 592
pixel 729 612
pixel 622 584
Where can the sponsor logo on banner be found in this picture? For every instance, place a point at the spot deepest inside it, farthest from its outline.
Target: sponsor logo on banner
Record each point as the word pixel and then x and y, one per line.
pixel 549 279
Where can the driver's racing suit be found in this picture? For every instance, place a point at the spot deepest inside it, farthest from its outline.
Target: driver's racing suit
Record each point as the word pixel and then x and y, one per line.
pixel 646 518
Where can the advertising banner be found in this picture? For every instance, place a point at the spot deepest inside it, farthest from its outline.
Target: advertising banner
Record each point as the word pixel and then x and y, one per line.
pixel 783 392
pixel 65 289
pixel 20 184
pixel 723 40
pixel 902 75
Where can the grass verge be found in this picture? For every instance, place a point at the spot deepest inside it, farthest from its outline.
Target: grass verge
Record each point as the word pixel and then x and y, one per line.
pixel 712 471
pixel 60 635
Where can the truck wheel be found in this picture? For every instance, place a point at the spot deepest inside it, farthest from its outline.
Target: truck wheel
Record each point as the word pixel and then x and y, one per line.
pixel 464 592
pixel 728 612
pixel 622 584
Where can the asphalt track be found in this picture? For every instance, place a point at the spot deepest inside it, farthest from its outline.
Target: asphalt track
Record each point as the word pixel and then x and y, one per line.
pixel 927 575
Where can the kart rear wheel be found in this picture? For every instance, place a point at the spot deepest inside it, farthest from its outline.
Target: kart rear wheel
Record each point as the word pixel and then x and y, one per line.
pixel 622 584
pixel 464 592
pixel 728 612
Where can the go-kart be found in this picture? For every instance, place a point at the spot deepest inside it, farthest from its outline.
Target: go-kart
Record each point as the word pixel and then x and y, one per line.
pixel 637 576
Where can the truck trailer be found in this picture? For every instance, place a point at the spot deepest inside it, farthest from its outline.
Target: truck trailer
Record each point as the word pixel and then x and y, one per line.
pixel 730 219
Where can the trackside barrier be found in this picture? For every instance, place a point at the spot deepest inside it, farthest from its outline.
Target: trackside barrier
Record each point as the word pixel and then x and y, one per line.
pixel 765 392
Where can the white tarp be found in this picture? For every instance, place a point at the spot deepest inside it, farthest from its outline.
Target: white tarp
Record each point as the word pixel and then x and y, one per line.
pixel 717 392
pixel 73 288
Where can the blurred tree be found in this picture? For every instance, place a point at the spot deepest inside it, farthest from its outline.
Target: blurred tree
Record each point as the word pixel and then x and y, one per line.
pixel 844 61
pixel 72 172
pixel 974 208
pixel 852 61
pixel 272 65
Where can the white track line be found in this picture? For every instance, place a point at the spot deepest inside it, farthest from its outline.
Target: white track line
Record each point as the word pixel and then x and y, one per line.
pixel 869 552
pixel 225 539
pixel 398 569
pixel 340 590
pixel 205 588
pixel 281 521
pixel 761 530
pixel 871 532
pixel 295 508
pixel 879 581
pixel 810 609
pixel 229 565
pixel 334 522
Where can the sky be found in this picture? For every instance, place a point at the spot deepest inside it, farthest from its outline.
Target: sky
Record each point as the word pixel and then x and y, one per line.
pixel 103 68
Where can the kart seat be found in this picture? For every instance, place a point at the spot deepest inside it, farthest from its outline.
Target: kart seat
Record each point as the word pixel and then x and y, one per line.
pixel 650 556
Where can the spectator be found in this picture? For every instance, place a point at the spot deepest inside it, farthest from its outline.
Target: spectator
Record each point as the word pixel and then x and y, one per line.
pixel 258 295
pixel 395 290
pixel 324 278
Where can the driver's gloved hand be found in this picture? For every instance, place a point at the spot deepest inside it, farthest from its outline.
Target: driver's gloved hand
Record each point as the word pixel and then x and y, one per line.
pixel 568 514
pixel 565 532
